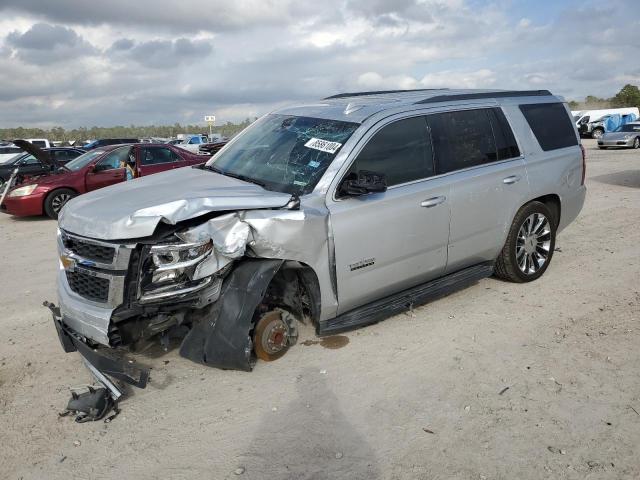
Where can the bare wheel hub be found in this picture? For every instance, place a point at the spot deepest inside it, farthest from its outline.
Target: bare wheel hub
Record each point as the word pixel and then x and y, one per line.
pixel 274 333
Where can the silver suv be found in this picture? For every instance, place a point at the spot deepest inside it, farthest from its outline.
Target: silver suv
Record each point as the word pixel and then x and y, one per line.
pixel 341 213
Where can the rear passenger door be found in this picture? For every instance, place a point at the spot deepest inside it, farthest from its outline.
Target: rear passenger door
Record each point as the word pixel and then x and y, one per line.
pixel 390 241
pixel 157 159
pixel 476 151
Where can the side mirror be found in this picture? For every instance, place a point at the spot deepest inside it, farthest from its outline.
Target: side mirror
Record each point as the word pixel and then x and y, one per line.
pixel 363 183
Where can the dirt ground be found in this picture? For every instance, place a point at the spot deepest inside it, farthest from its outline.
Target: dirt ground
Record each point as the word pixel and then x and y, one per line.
pixel 498 381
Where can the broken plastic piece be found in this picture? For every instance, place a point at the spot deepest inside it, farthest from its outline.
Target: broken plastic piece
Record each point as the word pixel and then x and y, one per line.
pixel 91 405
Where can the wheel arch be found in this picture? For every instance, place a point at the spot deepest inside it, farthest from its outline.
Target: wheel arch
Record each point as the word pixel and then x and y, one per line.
pixel 296 287
pixel 50 192
pixel 553 203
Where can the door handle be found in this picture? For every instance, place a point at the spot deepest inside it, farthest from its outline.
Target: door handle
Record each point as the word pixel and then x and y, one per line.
pixel 432 202
pixel 510 180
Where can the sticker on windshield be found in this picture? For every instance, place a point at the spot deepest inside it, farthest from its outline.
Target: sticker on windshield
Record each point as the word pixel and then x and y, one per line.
pixel 323 145
pixel 313 164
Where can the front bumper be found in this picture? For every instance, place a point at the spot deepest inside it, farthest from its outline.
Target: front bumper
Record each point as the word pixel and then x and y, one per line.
pixel 27 206
pixel 616 143
pixel 104 361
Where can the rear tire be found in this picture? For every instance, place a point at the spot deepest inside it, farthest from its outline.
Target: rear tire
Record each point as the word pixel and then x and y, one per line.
pixel 602 148
pixel 597 133
pixel 529 247
pixel 56 200
pixel 636 143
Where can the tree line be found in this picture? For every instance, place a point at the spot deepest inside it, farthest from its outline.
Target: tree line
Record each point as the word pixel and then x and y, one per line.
pixel 228 129
pixel 628 96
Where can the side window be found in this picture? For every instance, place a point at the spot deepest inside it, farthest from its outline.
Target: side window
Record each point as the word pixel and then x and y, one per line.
pixel 505 141
pixel 462 139
pixel 157 155
pixel 401 151
pixel 115 159
pixel 551 125
pixel 194 140
pixel 30 160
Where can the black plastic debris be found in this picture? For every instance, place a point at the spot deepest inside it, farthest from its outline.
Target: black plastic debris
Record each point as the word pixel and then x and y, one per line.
pixel 91 405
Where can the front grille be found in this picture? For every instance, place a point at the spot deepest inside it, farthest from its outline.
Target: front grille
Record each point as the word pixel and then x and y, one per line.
pixel 88 286
pixel 90 251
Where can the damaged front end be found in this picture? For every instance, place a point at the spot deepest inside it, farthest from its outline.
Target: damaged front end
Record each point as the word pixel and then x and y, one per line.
pixel 207 284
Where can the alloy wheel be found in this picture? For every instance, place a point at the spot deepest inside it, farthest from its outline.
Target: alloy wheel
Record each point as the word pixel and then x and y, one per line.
pixel 533 243
pixel 58 202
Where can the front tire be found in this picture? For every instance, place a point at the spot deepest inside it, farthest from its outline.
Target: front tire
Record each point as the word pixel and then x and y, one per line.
pixel 529 247
pixel 636 143
pixel 56 200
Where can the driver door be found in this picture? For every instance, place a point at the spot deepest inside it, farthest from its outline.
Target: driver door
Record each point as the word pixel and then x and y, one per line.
pixel 387 242
pixel 109 170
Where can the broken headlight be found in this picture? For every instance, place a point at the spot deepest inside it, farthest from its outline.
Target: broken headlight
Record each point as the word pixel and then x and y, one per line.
pixel 168 270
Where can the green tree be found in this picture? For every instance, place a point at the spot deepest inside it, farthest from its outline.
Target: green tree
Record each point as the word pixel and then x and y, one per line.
pixel 628 96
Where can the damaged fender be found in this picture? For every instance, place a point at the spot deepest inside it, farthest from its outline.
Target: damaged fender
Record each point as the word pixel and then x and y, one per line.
pixel 220 337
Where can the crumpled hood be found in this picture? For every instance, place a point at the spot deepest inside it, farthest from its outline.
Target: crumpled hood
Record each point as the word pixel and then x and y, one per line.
pixel 133 209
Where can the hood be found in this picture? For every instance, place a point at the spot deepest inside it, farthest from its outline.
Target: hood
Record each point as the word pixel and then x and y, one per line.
pixel 133 209
pixel 37 152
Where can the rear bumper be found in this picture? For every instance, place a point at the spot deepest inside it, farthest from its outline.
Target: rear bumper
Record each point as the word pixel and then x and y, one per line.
pixel 27 206
pixel 106 362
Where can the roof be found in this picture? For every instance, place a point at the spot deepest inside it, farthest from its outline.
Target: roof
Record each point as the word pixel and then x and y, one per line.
pixel 358 106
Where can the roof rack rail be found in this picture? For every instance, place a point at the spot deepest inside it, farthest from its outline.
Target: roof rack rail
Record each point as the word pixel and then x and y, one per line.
pixel 475 96
pixel 379 92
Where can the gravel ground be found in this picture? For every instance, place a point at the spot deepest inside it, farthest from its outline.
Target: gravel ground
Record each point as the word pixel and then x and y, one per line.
pixel 495 381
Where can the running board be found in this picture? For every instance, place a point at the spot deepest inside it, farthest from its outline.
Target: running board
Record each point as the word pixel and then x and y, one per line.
pixel 379 310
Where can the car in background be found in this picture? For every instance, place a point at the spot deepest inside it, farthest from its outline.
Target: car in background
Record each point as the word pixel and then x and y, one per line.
pixel 94 169
pixel 8 151
pixel 211 148
pixel 40 142
pixel 626 136
pixel 103 142
pixel 37 162
pixel 192 143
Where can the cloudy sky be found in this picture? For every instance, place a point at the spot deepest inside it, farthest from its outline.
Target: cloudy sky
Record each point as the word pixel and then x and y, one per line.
pixel 82 63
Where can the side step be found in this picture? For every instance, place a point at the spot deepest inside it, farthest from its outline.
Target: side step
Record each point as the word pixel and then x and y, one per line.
pixel 379 310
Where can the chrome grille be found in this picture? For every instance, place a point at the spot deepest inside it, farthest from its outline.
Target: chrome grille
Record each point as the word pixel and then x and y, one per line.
pixel 90 251
pixel 88 286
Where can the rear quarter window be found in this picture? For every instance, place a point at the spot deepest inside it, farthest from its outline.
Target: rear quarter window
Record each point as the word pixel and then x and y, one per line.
pixel 550 124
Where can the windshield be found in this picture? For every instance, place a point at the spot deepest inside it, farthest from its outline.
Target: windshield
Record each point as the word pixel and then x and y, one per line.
pixel 83 160
pixel 629 127
pixel 284 153
pixel 9 160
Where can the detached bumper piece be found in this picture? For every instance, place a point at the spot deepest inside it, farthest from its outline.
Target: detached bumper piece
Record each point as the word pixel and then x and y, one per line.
pixel 221 338
pixel 97 402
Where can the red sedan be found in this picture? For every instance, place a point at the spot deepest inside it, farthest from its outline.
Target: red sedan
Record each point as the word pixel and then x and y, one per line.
pixel 93 170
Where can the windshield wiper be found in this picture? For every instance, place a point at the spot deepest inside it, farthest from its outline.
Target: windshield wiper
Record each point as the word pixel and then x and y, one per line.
pixel 235 175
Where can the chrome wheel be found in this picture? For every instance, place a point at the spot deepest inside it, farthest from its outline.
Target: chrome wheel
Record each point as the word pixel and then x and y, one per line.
pixel 597 133
pixel 59 200
pixel 533 243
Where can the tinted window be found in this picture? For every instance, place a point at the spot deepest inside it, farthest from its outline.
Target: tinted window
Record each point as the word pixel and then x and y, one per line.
pixel 401 151
pixel 505 141
pixel 462 139
pixel 550 124
pixel 64 156
pixel 115 159
pixel 156 155
pixel 30 160
pixel 39 143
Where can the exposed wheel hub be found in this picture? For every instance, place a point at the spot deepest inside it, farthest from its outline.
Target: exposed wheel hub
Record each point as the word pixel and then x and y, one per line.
pixel 274 333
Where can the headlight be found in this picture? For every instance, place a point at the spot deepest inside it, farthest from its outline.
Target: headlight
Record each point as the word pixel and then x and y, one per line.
pixel 23 191
pixel 168 269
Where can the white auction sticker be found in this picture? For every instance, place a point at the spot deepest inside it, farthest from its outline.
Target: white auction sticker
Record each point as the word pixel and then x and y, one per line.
pixel 323 145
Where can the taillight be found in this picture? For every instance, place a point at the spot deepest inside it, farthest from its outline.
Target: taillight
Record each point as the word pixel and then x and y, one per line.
pixel 584 164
